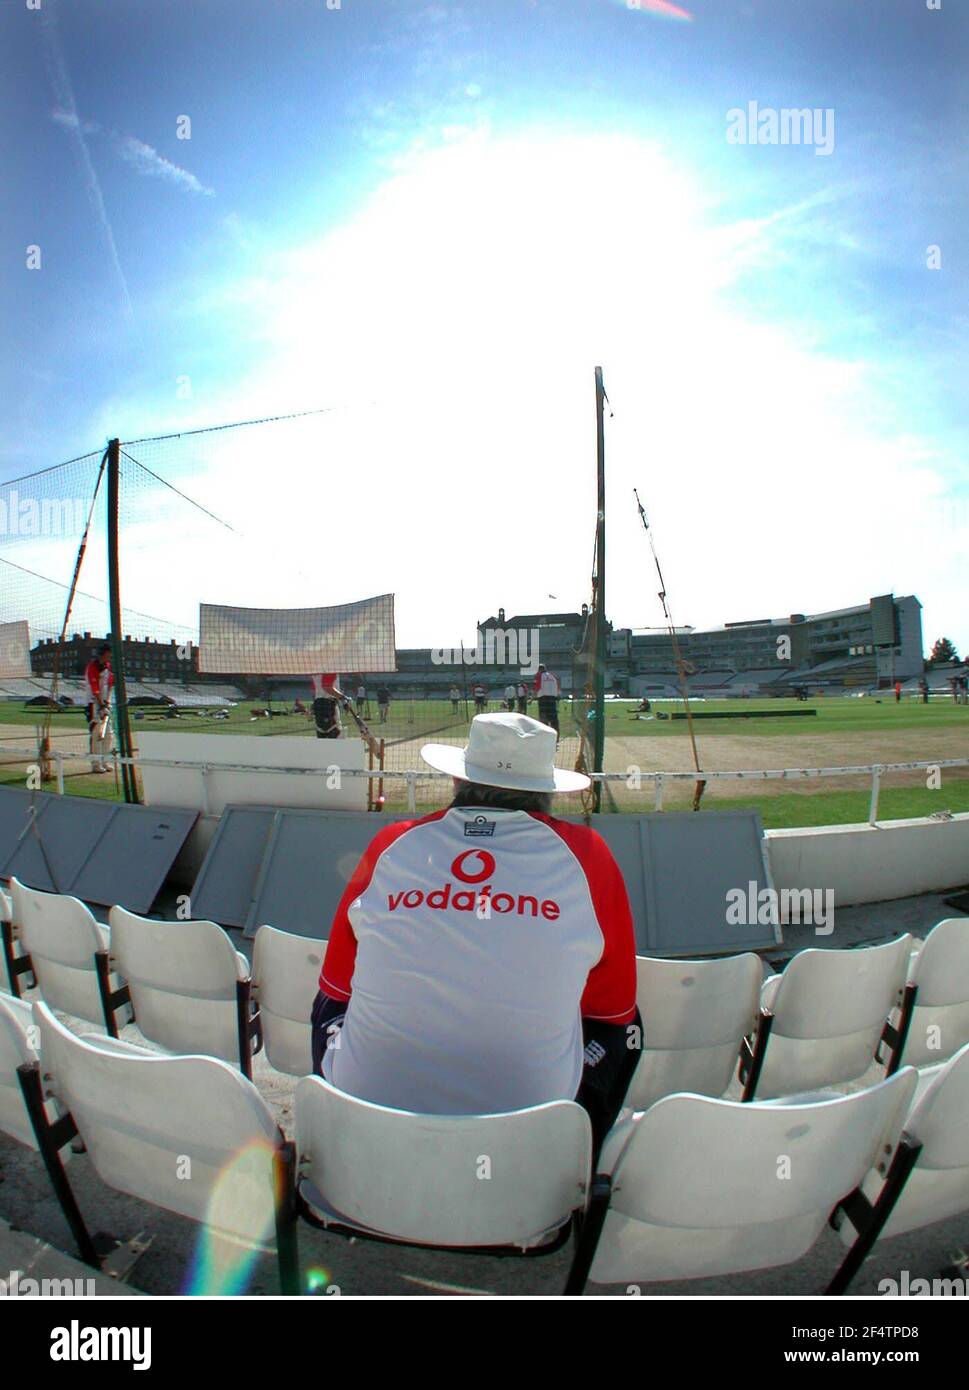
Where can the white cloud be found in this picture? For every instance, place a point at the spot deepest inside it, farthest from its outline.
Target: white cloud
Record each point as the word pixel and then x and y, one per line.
pixel 470 298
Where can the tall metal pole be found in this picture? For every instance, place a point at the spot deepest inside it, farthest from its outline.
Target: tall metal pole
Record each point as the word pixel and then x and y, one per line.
pixel 123 726
pixel 464 682
pixel 599 723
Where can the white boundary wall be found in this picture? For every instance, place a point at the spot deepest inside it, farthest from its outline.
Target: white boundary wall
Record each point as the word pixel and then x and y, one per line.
pixel 210 788
pixel 860 863
pixel 873 863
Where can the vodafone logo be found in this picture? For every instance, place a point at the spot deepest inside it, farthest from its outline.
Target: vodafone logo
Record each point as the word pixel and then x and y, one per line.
pixel 479 856
pixel 474 866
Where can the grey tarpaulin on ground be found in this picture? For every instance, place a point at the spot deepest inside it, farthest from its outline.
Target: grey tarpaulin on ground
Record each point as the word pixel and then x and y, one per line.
pixel 289 869
pixel 98 851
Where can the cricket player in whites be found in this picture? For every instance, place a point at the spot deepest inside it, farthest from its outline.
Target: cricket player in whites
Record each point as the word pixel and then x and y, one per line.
pixel 328 699
pixel 100 680
pixel 548 690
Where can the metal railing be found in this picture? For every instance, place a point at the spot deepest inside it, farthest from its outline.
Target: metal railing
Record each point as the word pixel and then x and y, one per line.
pixel 632 778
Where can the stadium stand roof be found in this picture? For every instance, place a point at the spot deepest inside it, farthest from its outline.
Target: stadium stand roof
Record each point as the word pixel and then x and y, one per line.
pixel 757 675
pixel 711 679
pixel 186 696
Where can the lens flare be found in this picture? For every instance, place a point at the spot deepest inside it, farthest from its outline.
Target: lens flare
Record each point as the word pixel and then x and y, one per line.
pixel 664 9
pixel 239 1223
pixel 318 1280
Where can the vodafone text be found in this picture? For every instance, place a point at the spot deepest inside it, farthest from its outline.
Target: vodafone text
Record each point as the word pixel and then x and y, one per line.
pixel 476 899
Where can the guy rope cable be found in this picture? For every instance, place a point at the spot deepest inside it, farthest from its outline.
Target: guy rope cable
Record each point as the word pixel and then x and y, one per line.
pixel 677 657
pixel 44 750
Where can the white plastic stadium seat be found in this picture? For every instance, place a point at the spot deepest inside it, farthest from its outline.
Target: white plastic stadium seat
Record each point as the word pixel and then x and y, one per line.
pixel 828 1010
pixel 16 1049
pixel 940 1019
pixel 62 938
pixel 11 948
pixel 188 1134
pixel 285 974
pixel 16 963
pixel 511 1180
pixel 706 1187
pixel 695 1014
pixel 938 1185
pixel 188 984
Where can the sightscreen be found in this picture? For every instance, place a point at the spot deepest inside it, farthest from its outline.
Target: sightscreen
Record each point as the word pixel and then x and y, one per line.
pixel 14 650
pixel 298 641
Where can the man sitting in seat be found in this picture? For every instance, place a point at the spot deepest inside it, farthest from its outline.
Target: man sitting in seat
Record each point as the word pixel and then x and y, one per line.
pixel 482 958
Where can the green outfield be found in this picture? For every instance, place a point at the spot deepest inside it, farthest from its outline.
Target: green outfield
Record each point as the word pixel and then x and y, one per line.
pixel 836 714
pixel 787 811
pixel 408 718
pixel 845 731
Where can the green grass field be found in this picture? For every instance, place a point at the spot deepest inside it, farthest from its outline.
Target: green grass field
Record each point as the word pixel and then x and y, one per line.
pixel 411 718
pixel 835 715
pixel 408 719
pixel 844 731
pixel 786 812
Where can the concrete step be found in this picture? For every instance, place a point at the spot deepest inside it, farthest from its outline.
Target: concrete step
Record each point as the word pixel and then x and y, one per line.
pixel 31 1267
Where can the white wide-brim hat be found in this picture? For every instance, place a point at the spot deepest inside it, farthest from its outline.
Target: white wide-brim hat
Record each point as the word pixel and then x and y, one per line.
pixel 506 750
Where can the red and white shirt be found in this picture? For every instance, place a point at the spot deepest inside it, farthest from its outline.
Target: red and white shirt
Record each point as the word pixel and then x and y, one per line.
pixel 100 679
pixel 470 944
pixel 547 684
pixel 327 686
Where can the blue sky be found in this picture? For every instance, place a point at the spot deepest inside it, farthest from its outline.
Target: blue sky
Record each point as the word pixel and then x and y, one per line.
pixel 436 219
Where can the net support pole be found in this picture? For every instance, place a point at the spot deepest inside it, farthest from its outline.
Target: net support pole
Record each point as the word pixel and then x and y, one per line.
pixel 599 687
pixel 464 683
pixel 122 722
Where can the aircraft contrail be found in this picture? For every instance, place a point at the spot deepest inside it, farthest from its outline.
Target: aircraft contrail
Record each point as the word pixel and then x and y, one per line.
pixel 64 97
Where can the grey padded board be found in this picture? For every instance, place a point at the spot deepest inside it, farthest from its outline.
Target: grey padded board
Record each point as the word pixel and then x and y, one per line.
pixel 225 887
pixel 289 868
pixel 64 835
pixel 624 838
pixel 100 851
pixel 690 861
pixel 677 867
pixel 134 856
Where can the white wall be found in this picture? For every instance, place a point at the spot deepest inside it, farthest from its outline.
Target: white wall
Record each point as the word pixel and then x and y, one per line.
pixel 870 864
pixel 212 791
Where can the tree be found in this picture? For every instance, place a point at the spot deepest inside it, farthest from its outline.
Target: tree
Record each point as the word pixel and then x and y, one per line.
pixel 942 650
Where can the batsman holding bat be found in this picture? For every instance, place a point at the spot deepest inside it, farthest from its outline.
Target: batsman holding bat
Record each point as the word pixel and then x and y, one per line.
pixel 100 680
